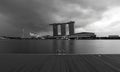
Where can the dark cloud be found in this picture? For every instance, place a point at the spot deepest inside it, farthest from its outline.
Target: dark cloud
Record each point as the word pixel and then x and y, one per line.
pixel 36 15
pixel 30 14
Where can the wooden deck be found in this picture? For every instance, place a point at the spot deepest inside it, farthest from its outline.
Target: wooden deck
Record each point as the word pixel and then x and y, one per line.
pixel 59 63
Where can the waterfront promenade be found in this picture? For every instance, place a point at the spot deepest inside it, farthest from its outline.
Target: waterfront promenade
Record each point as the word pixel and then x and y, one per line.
pixel 59 63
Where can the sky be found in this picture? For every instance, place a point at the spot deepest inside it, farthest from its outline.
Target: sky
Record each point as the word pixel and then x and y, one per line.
pixel 99 16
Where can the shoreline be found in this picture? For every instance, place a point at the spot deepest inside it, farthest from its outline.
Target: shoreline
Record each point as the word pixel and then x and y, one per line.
pixel 59 39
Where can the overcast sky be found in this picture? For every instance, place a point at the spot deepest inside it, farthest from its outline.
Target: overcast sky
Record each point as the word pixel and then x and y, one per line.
pixel 99 16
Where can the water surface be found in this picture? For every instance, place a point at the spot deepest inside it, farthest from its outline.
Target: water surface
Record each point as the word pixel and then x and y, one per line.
pixel 65 46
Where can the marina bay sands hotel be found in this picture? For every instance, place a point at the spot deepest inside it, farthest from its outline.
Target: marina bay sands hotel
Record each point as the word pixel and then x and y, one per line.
pixel 63 28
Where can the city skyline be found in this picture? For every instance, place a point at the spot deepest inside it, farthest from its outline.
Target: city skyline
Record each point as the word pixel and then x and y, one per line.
pixel 100 17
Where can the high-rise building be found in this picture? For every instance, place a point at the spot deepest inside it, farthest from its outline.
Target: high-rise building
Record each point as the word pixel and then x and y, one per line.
pixel 63 28
pixel 71 28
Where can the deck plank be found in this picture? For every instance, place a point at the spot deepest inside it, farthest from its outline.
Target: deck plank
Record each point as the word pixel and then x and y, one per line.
pixel 60 63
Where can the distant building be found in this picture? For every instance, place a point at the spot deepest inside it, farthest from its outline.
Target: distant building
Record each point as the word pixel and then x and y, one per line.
pixel 113 36
pixel 34 35
pixel 84 35
pixel 1 37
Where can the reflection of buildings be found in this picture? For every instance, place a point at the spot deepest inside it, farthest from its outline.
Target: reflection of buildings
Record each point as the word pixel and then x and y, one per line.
pixel 63 46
